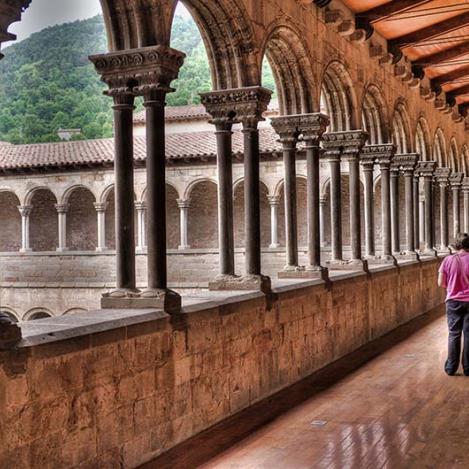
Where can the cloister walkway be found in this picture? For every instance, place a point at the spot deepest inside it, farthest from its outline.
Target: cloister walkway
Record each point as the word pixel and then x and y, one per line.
pixel 389 405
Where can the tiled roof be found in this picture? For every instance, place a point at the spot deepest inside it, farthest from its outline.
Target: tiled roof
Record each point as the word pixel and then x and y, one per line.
pixel 194 145
pixel 192 112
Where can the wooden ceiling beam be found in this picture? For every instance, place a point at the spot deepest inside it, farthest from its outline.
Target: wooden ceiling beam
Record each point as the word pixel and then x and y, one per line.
pixel 443 56
pixel 451 76
pixel 458 91
pixel 434 30
pixel 389 9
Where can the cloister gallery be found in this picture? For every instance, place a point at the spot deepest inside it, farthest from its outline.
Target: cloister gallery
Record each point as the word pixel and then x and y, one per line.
pixel 196 267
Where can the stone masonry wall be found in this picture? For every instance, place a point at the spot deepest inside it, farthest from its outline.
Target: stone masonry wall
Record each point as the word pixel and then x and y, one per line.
pixel 120 398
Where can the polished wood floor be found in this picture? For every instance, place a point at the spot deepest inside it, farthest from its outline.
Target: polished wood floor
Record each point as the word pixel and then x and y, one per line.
pixel 389 405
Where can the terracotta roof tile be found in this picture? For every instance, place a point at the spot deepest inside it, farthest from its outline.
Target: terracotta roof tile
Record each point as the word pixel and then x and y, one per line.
pixel 95 152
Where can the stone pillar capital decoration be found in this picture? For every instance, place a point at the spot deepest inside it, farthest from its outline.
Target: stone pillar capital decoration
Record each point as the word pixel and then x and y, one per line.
pixel 383 154
pixel 140 205
pixel 348 143
pixel 244 105
pixel 405 163
pixel 312 127
pixel 455 180
pixel 62 208
pixel 25 210
pixel 287 129
pixel 183 203
pixel 274 200
pixel 465 185
pixel 139 72
pixel 100 206
pixel 426 169
pixel 442 176
pixel 222 113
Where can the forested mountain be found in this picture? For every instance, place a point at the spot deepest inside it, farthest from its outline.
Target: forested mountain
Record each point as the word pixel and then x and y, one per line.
pixel 47 81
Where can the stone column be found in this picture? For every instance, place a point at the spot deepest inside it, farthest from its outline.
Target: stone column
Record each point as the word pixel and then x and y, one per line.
pixel 287 129
pixel 426 169
pixel 183 223
pixel 312 127
pixel 101 214
pixel 25 211
pixel 395 222
pixel 442 178
pixel 349 144
pixel 455 181
pixel 465 191
pixel 368 163
pixel 384 158
pixel 62 210
pixel 274 202
pixel 416 192
pixel 322 221
pixel 408 163
pixel 141 231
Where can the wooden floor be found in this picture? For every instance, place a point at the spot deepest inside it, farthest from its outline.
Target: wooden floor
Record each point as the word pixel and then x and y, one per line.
pixel 388 405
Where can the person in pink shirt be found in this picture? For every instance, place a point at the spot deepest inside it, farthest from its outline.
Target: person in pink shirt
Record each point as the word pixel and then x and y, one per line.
pixel 454 276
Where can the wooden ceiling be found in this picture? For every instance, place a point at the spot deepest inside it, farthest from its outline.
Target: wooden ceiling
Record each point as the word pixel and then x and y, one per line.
pixel 433 35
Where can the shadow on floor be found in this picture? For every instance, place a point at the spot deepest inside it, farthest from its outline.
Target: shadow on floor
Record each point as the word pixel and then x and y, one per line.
pixel 213 441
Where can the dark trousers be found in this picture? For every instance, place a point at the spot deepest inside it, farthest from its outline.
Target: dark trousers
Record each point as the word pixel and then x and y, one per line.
pixel 458 322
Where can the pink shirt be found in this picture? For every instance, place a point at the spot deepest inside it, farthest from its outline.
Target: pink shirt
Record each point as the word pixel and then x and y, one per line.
pixel 456 270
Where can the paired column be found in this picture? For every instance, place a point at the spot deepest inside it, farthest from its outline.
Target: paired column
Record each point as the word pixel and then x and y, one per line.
pixel 25 212
pixel 149 77
pixel 141 231
pixel 367 163
pixel 62 210
pixel 442 179
pixel 426 170
pixel 416 203
pixel 455 181
pixel 184 206
pixel 348 144
pixel 322 220
pixel 274 202
pixel 465 191
pixel 395 215
pixel 101 214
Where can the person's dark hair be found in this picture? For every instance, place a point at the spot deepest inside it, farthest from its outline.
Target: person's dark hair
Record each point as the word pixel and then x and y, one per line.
pixel 462 242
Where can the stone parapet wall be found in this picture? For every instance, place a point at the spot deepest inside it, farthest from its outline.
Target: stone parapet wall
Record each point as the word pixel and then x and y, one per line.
pixel 120 397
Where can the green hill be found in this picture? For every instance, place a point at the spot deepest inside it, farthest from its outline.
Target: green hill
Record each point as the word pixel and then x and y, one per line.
pixel 47 82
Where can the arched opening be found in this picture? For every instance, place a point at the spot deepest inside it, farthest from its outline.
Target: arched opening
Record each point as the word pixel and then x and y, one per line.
pixel 374 120
pixel 39 315
pixel 110 220
pixel 465 160
pixel 239 234
pixel 401 130
pixel 82 229
pixel 43 224
pixel 10 314
pixel 422 140
pixel 172 218
pixel 337 98
pixel 10 220
pixel 439 149
pixel 454 156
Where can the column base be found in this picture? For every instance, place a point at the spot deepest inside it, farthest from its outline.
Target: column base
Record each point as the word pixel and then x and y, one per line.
pixel 311 272
pixel 407 256
pixel 381 260
pixel 62 249
pixel 26 250
pixel 429 253
pixel 183 248
pixel 101 249
pixel 140 249
pixel 360 265
pixel 244 283
pixel 444 251
pixel 274 246
pixel 167 300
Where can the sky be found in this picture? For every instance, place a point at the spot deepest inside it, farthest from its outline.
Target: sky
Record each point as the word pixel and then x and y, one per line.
pixel 44 13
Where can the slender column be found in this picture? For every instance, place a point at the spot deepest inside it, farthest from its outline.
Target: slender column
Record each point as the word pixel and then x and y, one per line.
pixel 442 178
pixel 455 181
pixel 355 220
pixel 101 214
pixel 333 156
pixel 422 227
pixel 465 191
pixel 408 163
pixel 312 127
pixel 322 221
pixel 25 211
pixel 396 242
pixel 368 168
pixel 141 230
pixel 426 169
pixel 416 205
pixel 184 206
pixel 287 128
pixel 274 202
pixel 62 210
pixel 385 160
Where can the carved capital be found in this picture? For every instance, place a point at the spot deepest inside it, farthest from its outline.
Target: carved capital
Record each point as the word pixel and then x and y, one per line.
pixel 100 206
pixel 139 71
pixel 62 208
pixel 465 185
pixel 348 143
pixel 442 176
pixel 455 180
pixel 405 162
pixel 287 129
pixel 25 210
pixel 140 206
pixel 312 127
pixel 380 153
pixel 245 105
pixel 426 169
pixel 183 204
pixel 274 200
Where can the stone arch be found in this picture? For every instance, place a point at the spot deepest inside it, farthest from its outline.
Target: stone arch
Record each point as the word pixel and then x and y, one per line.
pixel 77 310
pixel 292 67
pixel 43 223
pixel 193 184
pixel 203 215
pixel 10 312
pixel 70 190
pixel 422 139
pixel 338 99
pixel 374 118
pixel 30 194
pixel 239 235
pixel 439 149
pixel 37 313
pixel 401 136
pixel 454 155
pixel 465 160
pixel 82 225
pixel 105 193
pixel 10 219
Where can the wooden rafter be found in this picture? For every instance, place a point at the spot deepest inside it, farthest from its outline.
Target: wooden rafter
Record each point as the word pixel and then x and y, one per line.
pixel 389 9
pixel 458 91
pixel 443 56
pixel 451 76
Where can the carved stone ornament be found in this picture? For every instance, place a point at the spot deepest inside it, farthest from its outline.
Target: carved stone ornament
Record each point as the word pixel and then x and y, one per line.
pixel 405 162
pixel 241 104
pixel 348 143
pixel 455 179
pixel 426 168
pixel 465 185
pixel 312 126
pixel 138 71
pixel 381 153
pixel 442 175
